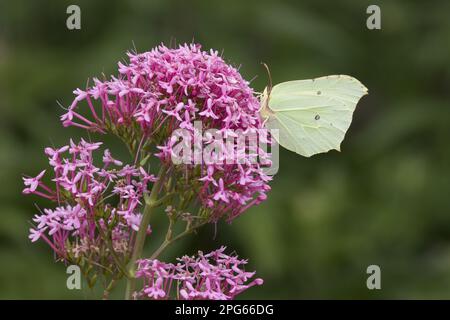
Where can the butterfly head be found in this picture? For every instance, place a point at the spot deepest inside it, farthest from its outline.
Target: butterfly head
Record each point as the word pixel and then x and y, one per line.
pixel 264 110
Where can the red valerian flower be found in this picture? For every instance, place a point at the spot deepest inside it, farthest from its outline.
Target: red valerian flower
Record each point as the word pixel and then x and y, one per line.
pixel 212 276
pixel 101 213
pixel 80 189
pixel 165 89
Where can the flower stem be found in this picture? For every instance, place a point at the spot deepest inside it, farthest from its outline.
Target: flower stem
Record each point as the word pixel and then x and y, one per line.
pixel 108 289
pixel 169 240
pixel 166 243
pixel 141 234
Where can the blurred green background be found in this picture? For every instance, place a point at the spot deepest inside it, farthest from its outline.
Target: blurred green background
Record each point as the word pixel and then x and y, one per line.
pixel 384 200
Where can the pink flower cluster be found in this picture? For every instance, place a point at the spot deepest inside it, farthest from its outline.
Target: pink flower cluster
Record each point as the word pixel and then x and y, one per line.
pixel 213 276
pixel 96 220
pixel 89 198
pixel 165 89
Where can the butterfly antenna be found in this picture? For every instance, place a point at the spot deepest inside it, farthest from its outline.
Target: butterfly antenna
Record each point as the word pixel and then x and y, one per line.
pixel 270 76
pixel 134 47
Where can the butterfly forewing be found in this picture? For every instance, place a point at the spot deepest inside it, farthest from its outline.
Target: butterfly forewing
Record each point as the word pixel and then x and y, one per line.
pixel 312 116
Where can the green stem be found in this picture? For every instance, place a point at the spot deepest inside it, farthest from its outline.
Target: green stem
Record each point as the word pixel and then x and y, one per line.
pixel 164 199
pixel 113 252
pixel 108 289
pixel 169 240
pixel 141 234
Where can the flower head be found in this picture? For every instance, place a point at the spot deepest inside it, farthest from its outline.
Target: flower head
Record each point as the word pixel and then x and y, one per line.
pixel 164 89
pixel 80 189
pixel 212 276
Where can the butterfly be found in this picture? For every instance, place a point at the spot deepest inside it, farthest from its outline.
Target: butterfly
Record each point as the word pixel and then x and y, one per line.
pixel 312 116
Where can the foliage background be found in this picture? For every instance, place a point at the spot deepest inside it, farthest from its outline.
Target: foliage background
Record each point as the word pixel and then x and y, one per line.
pixel 384 200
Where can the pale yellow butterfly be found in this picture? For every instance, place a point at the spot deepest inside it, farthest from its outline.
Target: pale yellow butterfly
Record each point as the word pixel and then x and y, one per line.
pixel 312 115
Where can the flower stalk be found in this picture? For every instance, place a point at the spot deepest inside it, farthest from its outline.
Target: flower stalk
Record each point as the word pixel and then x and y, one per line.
pixel 150 205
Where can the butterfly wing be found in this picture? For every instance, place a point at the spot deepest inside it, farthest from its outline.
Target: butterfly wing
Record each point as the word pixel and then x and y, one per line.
pixel 312 116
